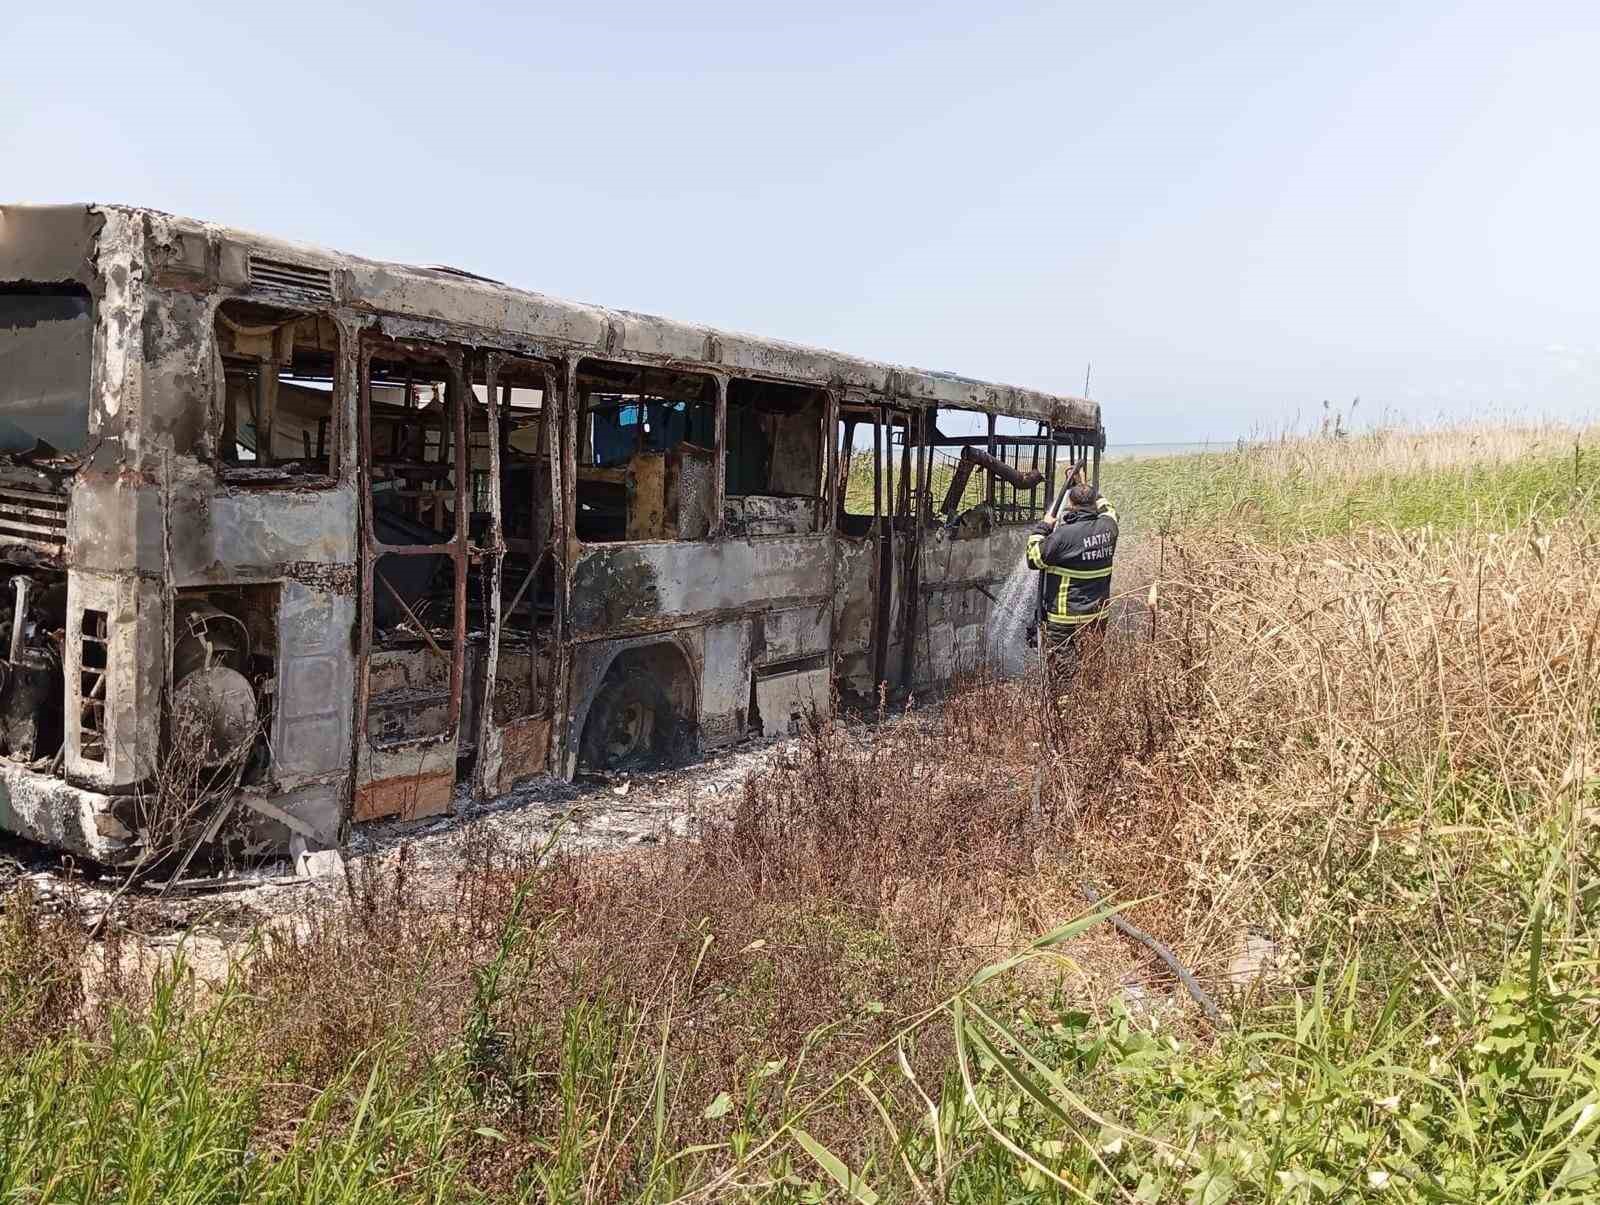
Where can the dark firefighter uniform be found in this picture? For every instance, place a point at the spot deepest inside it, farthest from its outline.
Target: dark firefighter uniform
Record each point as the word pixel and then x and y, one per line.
pixel 1075 557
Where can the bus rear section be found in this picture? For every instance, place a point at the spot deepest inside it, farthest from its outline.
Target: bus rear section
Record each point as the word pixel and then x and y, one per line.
pixel 175 649
pixel 48 375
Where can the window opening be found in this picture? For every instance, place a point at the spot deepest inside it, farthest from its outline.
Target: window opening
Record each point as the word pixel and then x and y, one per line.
pixel 990 470
pixel 646 453
pixel 775 451
pixel 46 349
pixel 878 470
pixel 527 576
pixel 279 393
pixel 859 489
pixel 416 403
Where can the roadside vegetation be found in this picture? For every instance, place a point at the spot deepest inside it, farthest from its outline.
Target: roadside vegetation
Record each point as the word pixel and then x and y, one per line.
pixel 1465 476
pixel 1340 754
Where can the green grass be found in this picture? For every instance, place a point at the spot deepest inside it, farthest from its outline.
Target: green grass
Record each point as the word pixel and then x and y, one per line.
pixel 858 488
pixel 1315 488
pixel 1309 488
pixel 173 1107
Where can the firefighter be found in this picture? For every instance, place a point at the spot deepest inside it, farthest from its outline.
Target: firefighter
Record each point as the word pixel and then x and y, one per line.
pixel 1073 553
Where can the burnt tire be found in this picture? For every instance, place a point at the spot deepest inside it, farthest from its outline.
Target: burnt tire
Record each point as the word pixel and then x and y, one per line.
pixel 631 724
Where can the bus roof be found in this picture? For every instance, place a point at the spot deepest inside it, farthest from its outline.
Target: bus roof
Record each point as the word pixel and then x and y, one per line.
pixel 253 265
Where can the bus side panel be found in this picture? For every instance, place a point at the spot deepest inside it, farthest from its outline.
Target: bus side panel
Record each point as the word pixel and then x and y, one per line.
pixel 633 588
pixel 741 617
pixel 959 575
pixel 855 572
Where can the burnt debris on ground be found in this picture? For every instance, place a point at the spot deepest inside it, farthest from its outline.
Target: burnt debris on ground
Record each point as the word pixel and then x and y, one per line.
pixel 595 813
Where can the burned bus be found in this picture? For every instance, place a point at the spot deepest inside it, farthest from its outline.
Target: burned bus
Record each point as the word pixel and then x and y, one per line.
pixel 380 535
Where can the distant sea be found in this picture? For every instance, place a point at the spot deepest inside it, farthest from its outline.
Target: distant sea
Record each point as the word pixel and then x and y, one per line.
pixel 1143 451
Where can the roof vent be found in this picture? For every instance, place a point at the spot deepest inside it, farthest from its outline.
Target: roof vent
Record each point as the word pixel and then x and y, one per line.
pixel 283 277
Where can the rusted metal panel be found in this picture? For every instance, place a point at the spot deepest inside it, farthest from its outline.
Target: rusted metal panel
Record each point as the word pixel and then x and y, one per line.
pixel 524 751
pixel 48 244
pixel 961 576
pixel 406 796
pixel 719 480
pixel 856 569
pixel 950 641
pixel 647 497
pixel 114 523
pixel 444 296
pixel 223 535
pixel 787 635
pixel 659 338
pixel 420 292
pixel 563 460
pixel 768 515
pixel 735 652
pixel 316 683
pixel 488 768
pixel 692 476
pixel 991 557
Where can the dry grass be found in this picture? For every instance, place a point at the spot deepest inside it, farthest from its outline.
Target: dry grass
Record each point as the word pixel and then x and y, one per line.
pixel 1382 699
pixel 41 988
pixel 1416 451
pixel 854 886
pixel 1377 748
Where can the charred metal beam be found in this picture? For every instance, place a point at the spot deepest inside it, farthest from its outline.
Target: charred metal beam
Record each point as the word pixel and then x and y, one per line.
pixel 1022 479
pixel 1025 441
pixel 958 487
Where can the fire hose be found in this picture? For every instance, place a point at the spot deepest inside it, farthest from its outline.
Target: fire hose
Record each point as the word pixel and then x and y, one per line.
pixel 1163 952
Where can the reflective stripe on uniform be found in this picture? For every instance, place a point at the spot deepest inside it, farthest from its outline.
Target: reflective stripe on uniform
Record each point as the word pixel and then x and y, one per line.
pixel 1081 575
pixel 1068 617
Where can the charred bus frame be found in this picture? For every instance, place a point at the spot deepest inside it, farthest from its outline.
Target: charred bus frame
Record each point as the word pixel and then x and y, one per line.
pixel 392 532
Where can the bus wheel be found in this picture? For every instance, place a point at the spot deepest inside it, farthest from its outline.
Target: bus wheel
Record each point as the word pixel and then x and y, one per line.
pixel 629 723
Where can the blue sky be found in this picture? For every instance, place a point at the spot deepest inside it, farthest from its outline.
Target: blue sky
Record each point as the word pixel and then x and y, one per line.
pixel 1235 211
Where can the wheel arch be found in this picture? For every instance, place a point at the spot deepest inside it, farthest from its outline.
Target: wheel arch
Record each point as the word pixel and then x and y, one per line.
pixel 673 661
